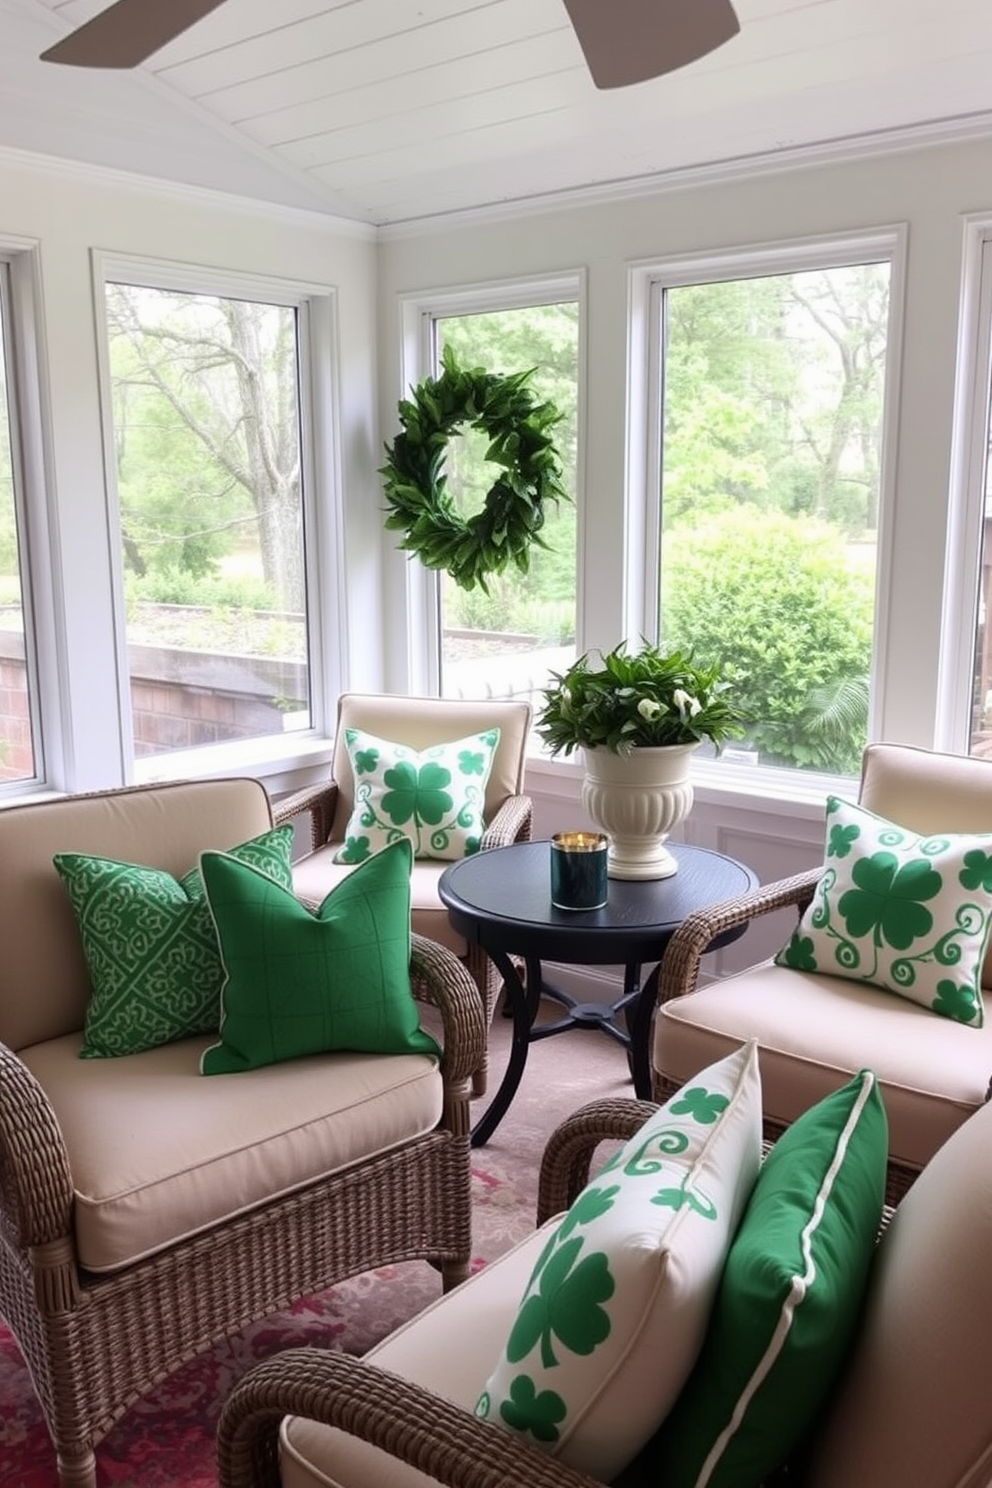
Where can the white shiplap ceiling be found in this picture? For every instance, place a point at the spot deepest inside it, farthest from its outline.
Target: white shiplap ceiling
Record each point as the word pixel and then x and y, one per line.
pixel 389 111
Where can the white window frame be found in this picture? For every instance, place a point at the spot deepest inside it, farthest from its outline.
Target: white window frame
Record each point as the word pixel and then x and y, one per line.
pixel 969 458
pixel 273 757
pixel 647 282
pixel 28 400
pixel 418 313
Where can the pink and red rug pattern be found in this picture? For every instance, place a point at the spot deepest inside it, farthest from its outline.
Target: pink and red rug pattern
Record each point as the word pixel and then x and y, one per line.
pixel 167 1439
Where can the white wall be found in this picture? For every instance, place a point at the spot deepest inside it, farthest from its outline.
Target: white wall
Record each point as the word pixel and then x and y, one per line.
pixel 927 189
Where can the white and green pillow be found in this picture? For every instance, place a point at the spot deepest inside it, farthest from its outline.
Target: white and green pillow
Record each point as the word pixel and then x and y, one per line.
pixel 434 798
pixel 615 1312
pixel 789 1299
pixel 303 981
pixel 898 910
pixel 150 945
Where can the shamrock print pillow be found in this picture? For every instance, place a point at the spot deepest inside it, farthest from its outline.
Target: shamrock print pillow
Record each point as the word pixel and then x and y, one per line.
pixel 616 1310
pixel 897 910
pixel 435 798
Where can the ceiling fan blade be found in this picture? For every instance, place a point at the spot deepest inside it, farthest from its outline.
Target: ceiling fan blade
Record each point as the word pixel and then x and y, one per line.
pixel 628 41
pixel 128 32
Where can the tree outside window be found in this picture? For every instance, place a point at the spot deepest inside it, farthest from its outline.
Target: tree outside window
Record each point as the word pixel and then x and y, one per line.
pixel 507 641
pixel 206 403
pixel 770 477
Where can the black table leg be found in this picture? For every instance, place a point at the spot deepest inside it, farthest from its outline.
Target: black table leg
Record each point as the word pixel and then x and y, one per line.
pixel 519 999
pixel 639 1022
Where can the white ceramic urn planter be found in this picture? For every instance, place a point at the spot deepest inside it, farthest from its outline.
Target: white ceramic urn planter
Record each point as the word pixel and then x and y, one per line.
pixel 638 799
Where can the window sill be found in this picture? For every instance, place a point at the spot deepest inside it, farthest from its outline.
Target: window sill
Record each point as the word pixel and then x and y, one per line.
pixel 282 765
pixel 741 787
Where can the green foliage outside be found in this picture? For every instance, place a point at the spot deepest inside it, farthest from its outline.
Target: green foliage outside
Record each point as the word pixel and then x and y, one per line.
pixel 776 601
pixel 544 337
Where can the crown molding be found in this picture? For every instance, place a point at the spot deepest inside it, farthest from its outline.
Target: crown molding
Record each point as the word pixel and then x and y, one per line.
pixel 202 197
pixel 841 150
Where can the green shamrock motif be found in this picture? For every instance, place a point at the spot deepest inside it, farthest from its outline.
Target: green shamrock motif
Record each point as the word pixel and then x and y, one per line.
pixel 471 762
pixel 533 1410
pixel 683 1197
pixel 699 1103
pixel 977 871
pixel 591 1204
pixel 356 850
pixel 954 1001
pixel 567 1306
pixel 888 901
pixel 841 840
pixel 417 795
pixel 366 761
pixel 799 953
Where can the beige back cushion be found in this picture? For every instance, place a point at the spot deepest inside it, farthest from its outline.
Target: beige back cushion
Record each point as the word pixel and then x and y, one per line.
pixel 914 1408
pixel 44 987
pixel 419 722
pixel 929 792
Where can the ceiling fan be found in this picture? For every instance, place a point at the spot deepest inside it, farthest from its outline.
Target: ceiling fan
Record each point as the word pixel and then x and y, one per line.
pixel 623 41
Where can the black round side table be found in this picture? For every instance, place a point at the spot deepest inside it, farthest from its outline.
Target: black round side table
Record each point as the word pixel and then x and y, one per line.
pixel 501 900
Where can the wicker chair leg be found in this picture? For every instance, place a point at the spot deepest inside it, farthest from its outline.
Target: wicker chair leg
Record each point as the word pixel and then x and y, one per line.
pixel 77 1472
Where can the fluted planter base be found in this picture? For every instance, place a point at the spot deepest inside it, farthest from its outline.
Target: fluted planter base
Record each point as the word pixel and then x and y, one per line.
pixel 638 799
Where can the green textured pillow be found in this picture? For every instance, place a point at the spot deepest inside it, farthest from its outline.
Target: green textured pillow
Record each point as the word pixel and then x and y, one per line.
pixel 615 1312
pixel 435 798
pixel 301 981
pixel 789 1299
pixel 907 913
pixel 150 946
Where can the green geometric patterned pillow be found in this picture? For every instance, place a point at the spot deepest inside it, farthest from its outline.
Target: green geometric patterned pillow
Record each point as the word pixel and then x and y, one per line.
pixel 434 798
pixel 616 1310
pixel 150 946
pixel 907 913
pixel 789 1299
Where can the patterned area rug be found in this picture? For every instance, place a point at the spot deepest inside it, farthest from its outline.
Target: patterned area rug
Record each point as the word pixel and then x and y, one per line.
pixel 167 1439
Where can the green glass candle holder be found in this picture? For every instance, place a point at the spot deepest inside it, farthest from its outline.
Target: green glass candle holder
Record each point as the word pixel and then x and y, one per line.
pixel 579 870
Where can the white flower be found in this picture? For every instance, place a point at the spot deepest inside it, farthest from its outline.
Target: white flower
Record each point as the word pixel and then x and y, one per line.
pixel 684 700
pixel 648 709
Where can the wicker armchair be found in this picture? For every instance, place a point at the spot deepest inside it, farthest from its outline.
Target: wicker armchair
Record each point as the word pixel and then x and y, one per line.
pixel 420 722
pixel 814 1031
pixel 317 1169
pixel 911 1405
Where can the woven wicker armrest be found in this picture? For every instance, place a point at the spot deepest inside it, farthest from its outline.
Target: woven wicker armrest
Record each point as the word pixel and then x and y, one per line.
pixel 35 1181
pixel 441 1439
pixel 679 971
pixel 438 977
pixel 512 823
pixel 569 1150
pixel 319 801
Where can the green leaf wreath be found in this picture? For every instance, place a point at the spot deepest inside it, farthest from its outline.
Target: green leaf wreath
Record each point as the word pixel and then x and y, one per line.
pixel 504 408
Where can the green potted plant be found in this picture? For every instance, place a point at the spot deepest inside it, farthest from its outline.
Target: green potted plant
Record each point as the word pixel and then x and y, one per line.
pixel 637 716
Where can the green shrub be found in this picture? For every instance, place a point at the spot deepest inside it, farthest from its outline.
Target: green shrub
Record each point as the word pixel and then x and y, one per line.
pixel 179 587
pixel 776 602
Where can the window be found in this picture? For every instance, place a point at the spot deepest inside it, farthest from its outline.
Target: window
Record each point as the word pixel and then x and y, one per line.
pixel 966 714
pixel 770 433
pixel 206 396
pixel 18 748
pixel 505 642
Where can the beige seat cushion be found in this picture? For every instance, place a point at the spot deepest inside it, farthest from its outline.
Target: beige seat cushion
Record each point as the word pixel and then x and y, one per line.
pixel 449 1349
pixel 813 1032
pixel 316 875
pixel 159 1152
